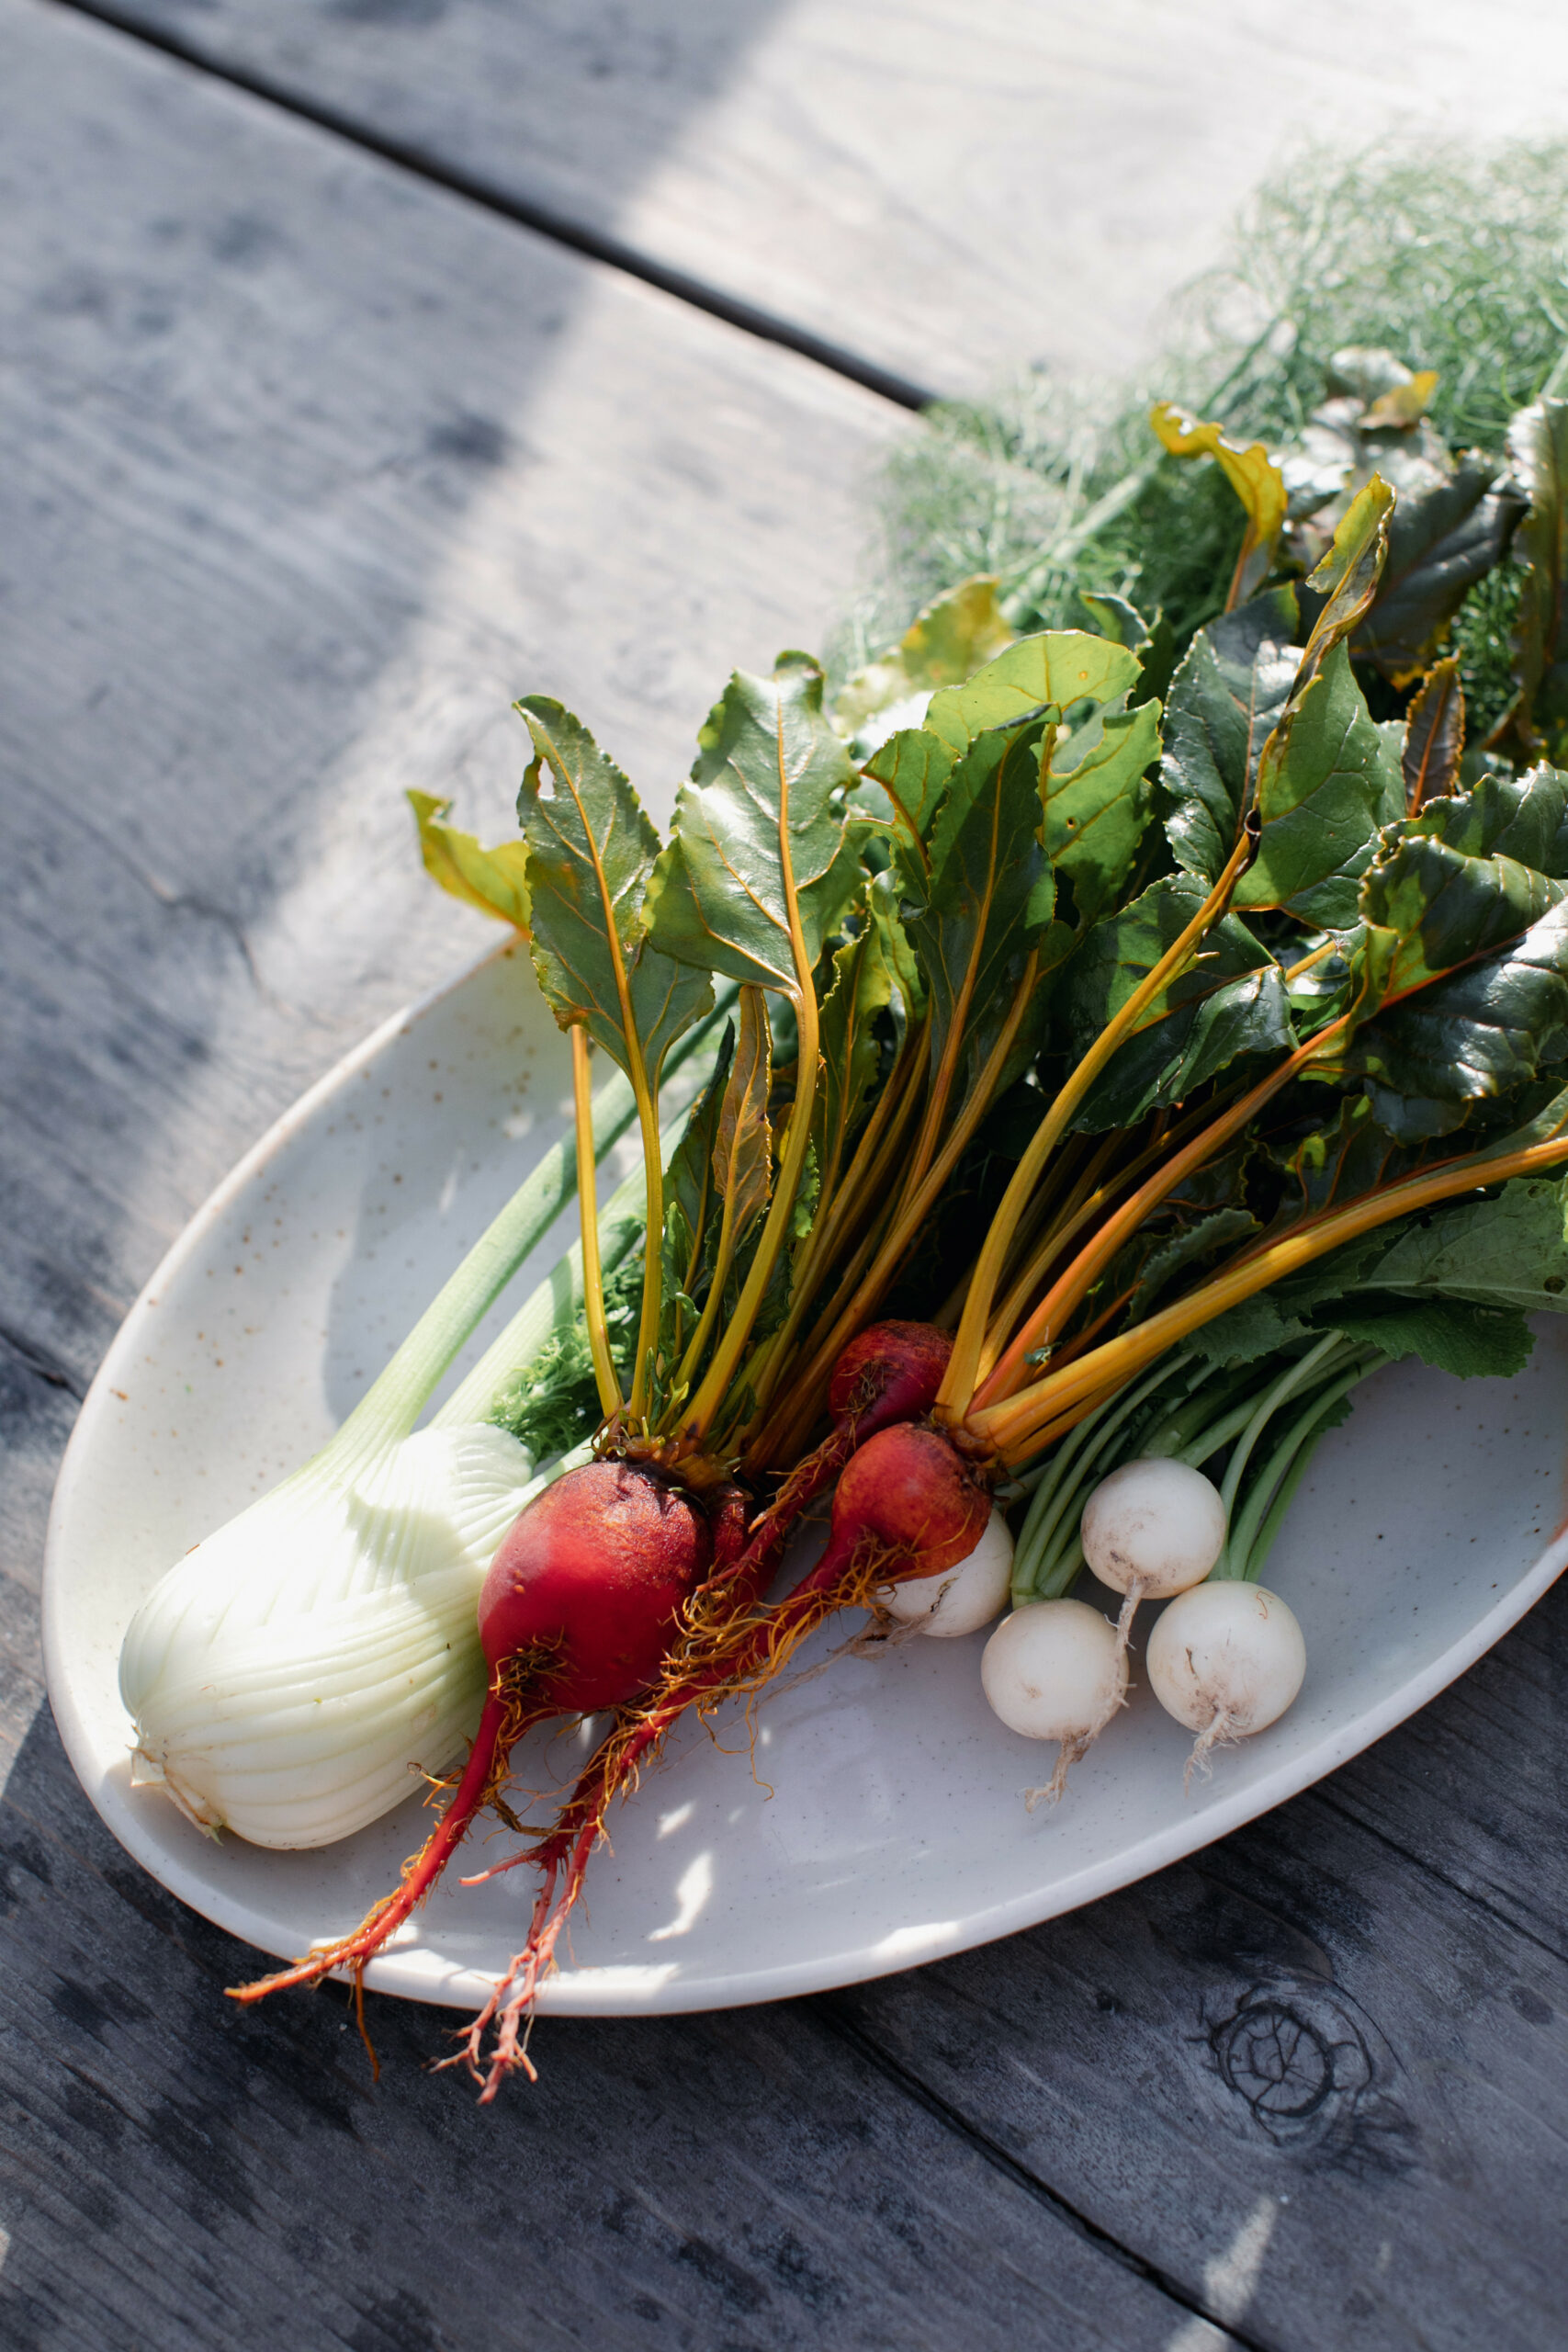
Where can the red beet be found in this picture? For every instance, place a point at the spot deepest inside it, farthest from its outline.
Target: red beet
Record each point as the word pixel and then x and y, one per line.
pixel 584 1593
pixel 595 1570
pixel 890 1373
pixel 908 1504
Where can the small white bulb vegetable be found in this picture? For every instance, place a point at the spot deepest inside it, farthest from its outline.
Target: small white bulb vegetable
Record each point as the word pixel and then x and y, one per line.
pixel 964 1598
pixel 1153 1527
pixel 291 1672
pixel 1054 1670
pixel 1226 1660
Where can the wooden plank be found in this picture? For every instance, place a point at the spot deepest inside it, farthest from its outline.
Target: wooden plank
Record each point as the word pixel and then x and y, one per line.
pixel 1328 2087
pixel 177 2173
pixel 945 192
pixel 309 468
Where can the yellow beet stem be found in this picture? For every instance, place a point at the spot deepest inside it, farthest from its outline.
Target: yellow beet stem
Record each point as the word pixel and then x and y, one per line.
pixel 588 1205
pixel 958 1388
pixel 1014 1427
pixel 710 1397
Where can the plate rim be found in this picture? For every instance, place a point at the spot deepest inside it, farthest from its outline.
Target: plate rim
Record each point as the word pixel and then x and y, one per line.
pixel 411 1975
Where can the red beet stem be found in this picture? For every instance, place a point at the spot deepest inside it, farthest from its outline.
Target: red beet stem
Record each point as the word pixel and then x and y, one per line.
pixel 420 1874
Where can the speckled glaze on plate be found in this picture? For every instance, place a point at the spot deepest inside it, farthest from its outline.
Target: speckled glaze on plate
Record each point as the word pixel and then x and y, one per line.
pixel 880 1821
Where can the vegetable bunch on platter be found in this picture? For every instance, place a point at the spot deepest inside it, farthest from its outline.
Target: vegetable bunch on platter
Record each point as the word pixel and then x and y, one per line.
pixel 1063 1064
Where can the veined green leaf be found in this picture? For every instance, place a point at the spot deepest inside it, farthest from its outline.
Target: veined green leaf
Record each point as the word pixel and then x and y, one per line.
pixel 913 768
pixel 989 891
pixel 1163 1258
pixel 1478 1030
pixel 690 1197
pixel 947 642
pixel 1095 812
pixel 1522 817
pixel 1047 673
pixel 758 832
pixel 1340 1162
pixel 1454 1335
pixel 1347 577
pixel 1442 538
pixel 908 999
pixel 864 985
pixel 1444 909
pixel 1327 783
pixel 1538 447
pixel 1225 700
pixel 1434 736
pixel 493 880
pixel 591 853
pixel 1230 1001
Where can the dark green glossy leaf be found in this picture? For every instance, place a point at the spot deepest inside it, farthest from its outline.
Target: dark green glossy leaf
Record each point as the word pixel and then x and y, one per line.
pixel 1328 781
pixel 1434 736
pixel 1537 448
pixel 1230 1001
pixel 1444 909
pixel 757 826
pixel 1225 700
pixel 1114 618
pixel 1479 1031
pixel 1441 539
pixel 591 852
pixel 1522 817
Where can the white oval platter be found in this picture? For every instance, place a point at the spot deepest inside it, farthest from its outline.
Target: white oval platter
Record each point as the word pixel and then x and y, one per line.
pixel 880 1820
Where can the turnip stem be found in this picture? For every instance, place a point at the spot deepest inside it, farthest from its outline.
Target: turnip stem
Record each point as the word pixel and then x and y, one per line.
pixel 1243 1558
pixel 1295 1376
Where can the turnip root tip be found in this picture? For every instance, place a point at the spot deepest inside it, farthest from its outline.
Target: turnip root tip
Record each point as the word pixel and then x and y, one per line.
pixel 1226 1659
pixel 1155 1527
pixel 1054 1670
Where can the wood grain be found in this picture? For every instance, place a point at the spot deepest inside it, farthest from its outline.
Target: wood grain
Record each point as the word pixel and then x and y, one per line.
pixel 944 191
pixel 308 469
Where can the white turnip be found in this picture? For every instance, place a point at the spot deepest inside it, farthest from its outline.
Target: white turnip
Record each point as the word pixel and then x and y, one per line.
pixel 1226 1660
pixel 964 1598
pixel 1054 1670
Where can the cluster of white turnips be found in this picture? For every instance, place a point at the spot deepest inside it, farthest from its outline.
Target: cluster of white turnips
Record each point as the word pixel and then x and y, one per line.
pixel 1225 1658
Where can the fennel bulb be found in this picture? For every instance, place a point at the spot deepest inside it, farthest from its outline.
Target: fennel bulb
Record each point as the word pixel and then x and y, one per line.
pixel 287 1677
pixel 293 1670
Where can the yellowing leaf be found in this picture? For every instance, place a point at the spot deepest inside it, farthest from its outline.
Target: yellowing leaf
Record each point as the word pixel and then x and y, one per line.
pixel 1404 404
pixel 495 880
pixel 1251 473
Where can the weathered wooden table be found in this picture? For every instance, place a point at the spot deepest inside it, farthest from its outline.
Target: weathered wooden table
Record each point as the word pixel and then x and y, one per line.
pixel 366 362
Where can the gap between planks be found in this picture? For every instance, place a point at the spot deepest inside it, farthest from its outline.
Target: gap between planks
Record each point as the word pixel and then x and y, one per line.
pixel 544 220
